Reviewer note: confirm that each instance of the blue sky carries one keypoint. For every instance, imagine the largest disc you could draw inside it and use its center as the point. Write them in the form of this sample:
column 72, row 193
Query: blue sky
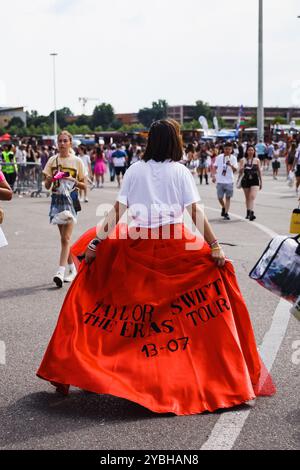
column 131, row 52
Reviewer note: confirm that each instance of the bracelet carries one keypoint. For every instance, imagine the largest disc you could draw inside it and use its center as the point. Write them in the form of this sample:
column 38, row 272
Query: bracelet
column 93, row 244
column 215, row 242
column 219, row 248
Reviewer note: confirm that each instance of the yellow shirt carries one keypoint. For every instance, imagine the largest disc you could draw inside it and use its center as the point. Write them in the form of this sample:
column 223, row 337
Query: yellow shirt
column 71, row 164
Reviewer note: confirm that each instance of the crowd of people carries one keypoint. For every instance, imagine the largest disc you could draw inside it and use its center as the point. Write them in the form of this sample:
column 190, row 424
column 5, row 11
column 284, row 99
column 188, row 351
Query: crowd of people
column 163, row 173
column 209, row 162
column 102, row 339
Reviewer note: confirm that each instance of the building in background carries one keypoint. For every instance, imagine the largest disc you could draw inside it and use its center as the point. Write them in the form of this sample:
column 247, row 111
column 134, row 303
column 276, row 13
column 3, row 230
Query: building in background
column 6, row 114
column 181, row 113
column 127, row 118
column 229, row 114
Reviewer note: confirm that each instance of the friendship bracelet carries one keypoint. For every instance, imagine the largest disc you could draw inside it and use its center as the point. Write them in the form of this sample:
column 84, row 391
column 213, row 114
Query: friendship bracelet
column 213, row 243
column 94, row 243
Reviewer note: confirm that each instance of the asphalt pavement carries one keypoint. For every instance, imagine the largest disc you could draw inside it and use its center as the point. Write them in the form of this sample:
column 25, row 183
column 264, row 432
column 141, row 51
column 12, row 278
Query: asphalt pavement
column 33, row 416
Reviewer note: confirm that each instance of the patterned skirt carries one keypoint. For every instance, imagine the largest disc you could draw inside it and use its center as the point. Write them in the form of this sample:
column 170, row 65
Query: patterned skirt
column 60, row 203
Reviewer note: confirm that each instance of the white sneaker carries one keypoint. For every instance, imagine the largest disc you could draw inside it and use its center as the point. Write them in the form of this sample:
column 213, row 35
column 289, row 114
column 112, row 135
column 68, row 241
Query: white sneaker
column 58, row 279
column 70, row 277
column 86, row 200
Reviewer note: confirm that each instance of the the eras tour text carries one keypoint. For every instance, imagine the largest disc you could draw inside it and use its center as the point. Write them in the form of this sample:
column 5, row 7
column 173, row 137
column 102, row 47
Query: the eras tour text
column 197, row 306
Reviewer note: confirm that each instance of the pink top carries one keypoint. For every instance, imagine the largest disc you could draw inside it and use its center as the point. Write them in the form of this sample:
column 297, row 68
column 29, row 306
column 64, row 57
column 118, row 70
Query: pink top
column 2, row 177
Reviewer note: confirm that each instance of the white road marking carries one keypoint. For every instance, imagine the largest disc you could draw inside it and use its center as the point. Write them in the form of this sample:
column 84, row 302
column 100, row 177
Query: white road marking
column 229, row 426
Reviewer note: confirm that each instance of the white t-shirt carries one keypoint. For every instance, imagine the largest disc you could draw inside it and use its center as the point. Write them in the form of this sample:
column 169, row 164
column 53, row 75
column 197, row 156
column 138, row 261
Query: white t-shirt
column 86, row 160
column 157, row 192
column 220, row 165
column 20, row 156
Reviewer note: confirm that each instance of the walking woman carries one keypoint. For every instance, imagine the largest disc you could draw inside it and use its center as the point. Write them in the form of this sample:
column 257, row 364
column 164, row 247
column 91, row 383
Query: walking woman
column 251, row 179
column 290, row 157
column 155, row 314
column 204, row 163
column 62, row 202
column 191, row 161
column 276, row 161
column 100, row 167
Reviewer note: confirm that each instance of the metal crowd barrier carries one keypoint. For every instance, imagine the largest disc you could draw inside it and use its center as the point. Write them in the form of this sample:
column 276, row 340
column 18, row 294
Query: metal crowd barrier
column 29, row 179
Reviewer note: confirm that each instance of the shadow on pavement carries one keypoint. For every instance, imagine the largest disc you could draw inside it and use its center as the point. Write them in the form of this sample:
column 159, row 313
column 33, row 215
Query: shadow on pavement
column 43, row 414
column 23, row 291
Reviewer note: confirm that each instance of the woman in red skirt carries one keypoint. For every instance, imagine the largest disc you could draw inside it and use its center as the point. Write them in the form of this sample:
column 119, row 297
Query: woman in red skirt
column 155, row 314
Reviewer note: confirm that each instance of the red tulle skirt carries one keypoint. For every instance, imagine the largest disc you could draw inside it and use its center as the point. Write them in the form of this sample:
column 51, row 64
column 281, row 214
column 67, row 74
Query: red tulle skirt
column 158, row 324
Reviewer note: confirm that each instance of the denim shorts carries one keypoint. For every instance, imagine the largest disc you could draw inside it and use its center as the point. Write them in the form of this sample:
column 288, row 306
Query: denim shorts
column 224, row 189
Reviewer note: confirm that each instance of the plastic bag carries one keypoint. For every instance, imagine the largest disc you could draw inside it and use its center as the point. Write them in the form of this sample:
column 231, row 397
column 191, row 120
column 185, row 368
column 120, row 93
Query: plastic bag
column 65, row 187
column 62, row 208
column 278, row 269
column 64, row 217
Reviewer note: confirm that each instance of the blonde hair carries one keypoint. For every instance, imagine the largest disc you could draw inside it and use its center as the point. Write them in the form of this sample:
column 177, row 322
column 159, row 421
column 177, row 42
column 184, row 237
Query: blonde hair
column 69, row 135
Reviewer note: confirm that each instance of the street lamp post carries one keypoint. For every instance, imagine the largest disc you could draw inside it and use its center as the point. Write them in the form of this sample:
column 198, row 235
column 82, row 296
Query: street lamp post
column 54, row 54
column 260, row 107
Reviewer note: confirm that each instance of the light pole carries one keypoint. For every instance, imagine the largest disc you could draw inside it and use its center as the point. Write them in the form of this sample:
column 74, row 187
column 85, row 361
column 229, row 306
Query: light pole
column 260, row 107
column 54, row 54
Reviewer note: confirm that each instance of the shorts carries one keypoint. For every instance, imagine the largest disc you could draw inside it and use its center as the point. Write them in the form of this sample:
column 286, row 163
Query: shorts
column 249, row 183
column 297, row 174
column 224, row 189
column 203, row 165
column 261, row 157
column 120, row 169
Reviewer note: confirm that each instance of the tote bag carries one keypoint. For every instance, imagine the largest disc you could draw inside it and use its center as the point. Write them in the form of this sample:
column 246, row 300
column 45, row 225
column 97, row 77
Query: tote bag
column 278, row 269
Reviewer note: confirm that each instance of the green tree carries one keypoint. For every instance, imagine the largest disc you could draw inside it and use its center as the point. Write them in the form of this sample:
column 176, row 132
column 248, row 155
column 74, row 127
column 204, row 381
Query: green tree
column 187, row 126
column 146, row 116
column 83, row 120
column 116, row 124
column 61, row 115
column 279, row 120
column 131, row 127
column 16, row 122
column 34, row 119
column 84, row 130
column 159, row 110
column 202, row 109
column 103, row 115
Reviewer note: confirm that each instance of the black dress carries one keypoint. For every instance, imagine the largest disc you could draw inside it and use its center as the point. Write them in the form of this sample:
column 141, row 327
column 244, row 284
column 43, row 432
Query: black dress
column 250, row 177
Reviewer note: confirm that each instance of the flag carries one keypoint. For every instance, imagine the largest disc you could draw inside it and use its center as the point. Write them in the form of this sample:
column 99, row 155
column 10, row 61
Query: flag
column 204, row 125
column 240, row 115
column 216, row 124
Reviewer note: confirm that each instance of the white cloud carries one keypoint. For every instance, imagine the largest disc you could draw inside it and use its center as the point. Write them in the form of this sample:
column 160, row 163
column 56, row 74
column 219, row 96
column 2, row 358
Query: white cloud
column 131, row 52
